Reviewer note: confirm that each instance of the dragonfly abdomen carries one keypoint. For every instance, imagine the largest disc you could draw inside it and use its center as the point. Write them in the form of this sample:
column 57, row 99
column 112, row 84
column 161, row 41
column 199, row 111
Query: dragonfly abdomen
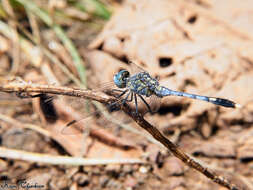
column 163, row 91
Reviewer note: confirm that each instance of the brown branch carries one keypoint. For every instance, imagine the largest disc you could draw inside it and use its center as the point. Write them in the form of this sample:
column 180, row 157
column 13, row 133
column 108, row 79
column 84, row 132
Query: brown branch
column 23, row 87
column 176, row 151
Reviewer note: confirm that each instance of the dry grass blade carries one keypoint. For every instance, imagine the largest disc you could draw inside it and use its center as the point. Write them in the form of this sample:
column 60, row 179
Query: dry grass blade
column 66, row 160
column 26, row 125
column 43, row 15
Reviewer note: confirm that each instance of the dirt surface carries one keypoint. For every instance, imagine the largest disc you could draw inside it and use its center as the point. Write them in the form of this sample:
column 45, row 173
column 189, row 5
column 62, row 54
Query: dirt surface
column 202, row 47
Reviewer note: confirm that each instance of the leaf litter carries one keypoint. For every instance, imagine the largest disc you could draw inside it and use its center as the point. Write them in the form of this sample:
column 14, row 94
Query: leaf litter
column 192, row 46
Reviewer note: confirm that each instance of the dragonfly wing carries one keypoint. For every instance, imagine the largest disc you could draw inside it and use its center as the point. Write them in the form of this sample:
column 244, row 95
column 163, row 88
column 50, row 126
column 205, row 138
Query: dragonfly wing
column 105, row 87
column 83, row 124
column 135, row 68
column 155, row 103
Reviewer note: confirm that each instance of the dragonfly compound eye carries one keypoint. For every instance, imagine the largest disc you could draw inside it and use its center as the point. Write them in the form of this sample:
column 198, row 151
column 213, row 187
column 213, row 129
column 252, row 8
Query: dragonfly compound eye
column 125, row 75
column 120, row 78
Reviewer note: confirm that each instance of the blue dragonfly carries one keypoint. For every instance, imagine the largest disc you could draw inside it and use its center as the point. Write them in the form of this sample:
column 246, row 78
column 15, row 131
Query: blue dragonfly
column 141, row 87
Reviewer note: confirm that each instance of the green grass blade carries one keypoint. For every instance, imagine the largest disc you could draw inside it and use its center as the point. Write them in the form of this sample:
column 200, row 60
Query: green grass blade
column 94, row 7
column 44, row 16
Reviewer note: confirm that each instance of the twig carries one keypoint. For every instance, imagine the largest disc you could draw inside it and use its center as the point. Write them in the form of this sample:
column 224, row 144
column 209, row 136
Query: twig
column 66, row 160
column 175, row 150
column 19, row 87
column 23, row 87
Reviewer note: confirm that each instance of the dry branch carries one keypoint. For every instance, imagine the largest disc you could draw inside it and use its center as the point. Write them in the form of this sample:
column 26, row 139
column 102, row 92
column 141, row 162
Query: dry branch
column 20, row 87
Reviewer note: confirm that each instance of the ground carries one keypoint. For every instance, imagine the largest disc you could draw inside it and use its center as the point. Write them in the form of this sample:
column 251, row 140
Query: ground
column 201, row 47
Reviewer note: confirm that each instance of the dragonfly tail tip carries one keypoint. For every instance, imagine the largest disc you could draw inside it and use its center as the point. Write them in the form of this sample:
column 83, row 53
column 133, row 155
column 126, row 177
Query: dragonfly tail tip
column 238, row 105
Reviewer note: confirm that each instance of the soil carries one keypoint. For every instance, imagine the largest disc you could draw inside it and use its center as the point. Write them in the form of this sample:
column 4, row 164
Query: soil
column 201, row 47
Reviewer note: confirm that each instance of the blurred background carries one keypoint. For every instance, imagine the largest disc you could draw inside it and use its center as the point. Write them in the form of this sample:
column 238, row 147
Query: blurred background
column 196, row 46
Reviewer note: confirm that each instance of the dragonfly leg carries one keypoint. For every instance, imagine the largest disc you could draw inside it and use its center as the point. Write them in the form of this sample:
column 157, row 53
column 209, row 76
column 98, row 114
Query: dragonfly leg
column 149, row 109
column 131, row 97
column 126, row 98
column 136, row 104
column 117, row 90
column 122, row 92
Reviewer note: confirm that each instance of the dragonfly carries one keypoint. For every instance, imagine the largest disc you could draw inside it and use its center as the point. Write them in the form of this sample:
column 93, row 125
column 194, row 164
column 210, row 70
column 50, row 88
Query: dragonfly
column 142, row 84
column 141, row 88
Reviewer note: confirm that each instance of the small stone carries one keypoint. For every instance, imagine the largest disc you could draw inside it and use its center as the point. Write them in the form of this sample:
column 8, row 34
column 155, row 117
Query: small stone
column 176, row 182
column 135, row 167
column 127, row 168
column 173, row 166
column 113, row 170
column 113, row 167
column 3, row 165
column 39, row 179
column 58, row 183
column 88, row 169
column 130, row 182
column 143, row 169
column 81, row 179
column 206, row 130
column 73, row 186
column 103, row 181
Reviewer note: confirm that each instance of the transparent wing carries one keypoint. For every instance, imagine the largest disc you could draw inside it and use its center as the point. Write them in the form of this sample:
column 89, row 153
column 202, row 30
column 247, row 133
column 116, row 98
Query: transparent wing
column 155, row 103
column 134, row 68
column 87, row 113
column 105, row 86
column 82, row 124
column 84, row 106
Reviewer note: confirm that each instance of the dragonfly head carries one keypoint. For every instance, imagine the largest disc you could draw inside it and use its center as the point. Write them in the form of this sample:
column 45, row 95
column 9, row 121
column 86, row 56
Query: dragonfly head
column 120, row 78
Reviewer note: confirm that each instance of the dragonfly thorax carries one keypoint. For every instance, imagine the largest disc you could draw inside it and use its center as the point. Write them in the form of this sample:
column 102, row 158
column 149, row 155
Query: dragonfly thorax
column 142, row 84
